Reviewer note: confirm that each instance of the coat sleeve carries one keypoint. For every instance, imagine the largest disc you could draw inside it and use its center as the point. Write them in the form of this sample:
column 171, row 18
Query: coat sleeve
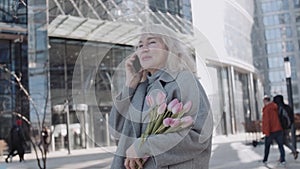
column 119, row 111
column 184, row 145
column 266, row 122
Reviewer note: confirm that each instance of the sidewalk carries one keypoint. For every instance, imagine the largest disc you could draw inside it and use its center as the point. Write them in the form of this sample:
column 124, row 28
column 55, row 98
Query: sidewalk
column 94, row 158
column 228, row 152
column 231, row 152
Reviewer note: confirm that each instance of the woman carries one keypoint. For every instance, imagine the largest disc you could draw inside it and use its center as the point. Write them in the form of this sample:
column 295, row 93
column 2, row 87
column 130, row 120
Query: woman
column 165, row 65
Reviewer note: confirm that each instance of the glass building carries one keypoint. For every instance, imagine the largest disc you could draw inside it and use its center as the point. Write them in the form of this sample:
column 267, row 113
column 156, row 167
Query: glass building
column 13, row 60
column 87, row 42
column 71, row 50
column 236, row 90
column 276, row 36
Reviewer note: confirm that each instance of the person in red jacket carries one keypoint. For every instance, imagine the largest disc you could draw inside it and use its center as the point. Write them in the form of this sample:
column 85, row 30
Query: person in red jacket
column 272, row 129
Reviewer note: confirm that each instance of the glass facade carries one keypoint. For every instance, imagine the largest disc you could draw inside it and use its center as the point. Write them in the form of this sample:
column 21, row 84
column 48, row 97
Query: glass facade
column 80, row 66
column 95, row 72
column 13, row 59
column 237, row 32
column 13, row 101
column 13, row 11
column 181, row 8
column 278, row 21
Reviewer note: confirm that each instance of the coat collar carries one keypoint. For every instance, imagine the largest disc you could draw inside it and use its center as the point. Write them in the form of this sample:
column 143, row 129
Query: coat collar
column 168, row 76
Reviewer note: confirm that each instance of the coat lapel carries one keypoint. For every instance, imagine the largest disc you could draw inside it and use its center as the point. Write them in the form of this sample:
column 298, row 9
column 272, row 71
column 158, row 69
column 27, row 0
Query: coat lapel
column 135, row 111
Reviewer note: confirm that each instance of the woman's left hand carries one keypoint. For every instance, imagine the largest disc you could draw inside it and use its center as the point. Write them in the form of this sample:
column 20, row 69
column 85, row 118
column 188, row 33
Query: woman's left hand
column 132, row 161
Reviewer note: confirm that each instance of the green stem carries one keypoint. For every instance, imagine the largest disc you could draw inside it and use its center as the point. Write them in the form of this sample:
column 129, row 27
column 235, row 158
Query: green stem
column 158, row 123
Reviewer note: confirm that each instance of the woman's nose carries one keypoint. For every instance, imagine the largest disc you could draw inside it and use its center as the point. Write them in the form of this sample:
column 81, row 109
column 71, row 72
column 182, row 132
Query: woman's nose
column 145, row 48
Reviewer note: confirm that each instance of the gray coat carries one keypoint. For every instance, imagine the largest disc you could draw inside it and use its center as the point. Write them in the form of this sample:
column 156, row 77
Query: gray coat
column 189, row 148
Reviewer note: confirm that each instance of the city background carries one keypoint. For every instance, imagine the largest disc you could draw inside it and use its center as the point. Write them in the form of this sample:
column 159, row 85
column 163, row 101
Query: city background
column 65, row 54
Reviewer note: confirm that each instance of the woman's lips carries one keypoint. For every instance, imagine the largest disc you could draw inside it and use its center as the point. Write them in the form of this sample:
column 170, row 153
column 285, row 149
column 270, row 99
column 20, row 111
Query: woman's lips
column 145, row 58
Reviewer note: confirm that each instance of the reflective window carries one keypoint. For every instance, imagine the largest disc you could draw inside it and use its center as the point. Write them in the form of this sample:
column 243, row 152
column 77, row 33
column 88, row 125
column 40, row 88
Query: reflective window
column 279, row 47
column 173, row 6
column 278, row 89
column 277, row 76
column 242, row 98
column 289, row 46
column 275, row 5
column 298, row 19
column 278, row 61
column 4, row 51
column 276, row 19
column 293, row 61
column 274, row 47
column 64, row 58
column 275, row 62
column 181, row 8
column 13, row 11
column 298, row 30
column 297, row 3
column 278, row 33
column 272, row 34
column 14, row 57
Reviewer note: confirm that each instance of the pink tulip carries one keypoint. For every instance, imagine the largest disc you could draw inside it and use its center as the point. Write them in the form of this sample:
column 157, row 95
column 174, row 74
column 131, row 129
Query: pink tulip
column 161, row 109
column 172, row 104
column 167, row 121
column 177, row 108
column 187, row 121
column 187, row 106
column 175, row 123
column 149, row 101
column 160, row 98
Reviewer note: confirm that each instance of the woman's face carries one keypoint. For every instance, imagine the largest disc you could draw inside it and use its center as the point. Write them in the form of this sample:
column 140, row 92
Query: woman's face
column 152, row 52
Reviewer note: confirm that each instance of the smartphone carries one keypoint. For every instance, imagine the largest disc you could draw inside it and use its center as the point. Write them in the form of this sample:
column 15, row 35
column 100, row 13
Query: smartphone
column 136, row 64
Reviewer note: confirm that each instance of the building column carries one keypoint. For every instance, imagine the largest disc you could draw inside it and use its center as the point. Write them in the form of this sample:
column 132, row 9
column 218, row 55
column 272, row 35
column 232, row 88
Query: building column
column 231, row 74
column 251, row 96
column 38, row 65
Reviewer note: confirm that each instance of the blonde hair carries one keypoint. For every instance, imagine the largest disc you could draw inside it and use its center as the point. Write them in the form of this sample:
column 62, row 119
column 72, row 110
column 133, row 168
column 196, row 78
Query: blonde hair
column 180, row 56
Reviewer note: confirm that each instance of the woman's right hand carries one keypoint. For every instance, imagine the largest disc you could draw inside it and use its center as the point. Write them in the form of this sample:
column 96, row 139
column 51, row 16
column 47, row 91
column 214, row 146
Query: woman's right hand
column 133, row 77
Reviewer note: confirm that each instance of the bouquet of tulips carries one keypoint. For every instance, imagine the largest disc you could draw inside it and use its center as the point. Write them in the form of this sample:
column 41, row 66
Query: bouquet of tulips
column 166, row 118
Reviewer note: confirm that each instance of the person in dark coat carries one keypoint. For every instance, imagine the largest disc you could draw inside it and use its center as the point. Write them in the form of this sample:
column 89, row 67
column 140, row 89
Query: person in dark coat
column 278, row 99
column 45, row 138
column 17, row 141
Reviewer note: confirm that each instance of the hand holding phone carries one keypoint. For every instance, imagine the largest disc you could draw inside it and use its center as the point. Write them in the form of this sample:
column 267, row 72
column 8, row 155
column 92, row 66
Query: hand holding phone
column 133, row 71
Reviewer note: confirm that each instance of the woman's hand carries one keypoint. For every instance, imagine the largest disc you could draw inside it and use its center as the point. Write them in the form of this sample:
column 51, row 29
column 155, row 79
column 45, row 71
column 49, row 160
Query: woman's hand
column 132, row 161
column 133, row 77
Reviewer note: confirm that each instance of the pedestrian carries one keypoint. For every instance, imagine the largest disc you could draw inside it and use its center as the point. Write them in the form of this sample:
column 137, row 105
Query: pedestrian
column 278, row 99
column 16, row 141
column 272, row 129
column 45, row 138
column 160, row 62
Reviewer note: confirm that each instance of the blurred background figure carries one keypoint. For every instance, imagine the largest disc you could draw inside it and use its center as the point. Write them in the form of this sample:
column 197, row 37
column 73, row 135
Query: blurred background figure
column 45, row 138
column 16, row 141
column 279, row 100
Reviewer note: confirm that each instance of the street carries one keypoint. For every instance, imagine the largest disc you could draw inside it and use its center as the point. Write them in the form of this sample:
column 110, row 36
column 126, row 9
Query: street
column 228, row 152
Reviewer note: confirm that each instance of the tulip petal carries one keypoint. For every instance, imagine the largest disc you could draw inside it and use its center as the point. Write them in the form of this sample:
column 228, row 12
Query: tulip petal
column 175, row 123
column 177, row 108
column 187, row 106
column 150, row 101
column 162, row 108
column 186, row 121
column 160, row 98
column 167, row 122
column 172, row 104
